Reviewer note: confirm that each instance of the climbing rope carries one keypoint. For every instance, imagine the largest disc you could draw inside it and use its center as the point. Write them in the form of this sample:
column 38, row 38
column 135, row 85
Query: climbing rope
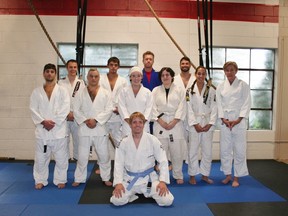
column 45, row 31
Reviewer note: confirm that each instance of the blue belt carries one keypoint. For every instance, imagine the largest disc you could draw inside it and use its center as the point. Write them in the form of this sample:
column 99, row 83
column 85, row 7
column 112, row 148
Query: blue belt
column 137, row 176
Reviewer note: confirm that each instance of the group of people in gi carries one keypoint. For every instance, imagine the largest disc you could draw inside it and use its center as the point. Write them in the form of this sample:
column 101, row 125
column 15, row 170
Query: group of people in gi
column 155, row 122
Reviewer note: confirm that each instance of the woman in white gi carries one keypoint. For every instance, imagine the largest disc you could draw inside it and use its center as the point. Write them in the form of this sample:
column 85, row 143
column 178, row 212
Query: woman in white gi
column 202, row 116
column 134, row 167
column 134, row 98
column 169, row 111
column 234, row 102
column 49, row 105
column 92, row 109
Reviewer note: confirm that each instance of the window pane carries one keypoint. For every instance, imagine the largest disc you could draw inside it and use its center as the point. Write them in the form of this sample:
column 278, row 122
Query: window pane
column 243, row 75
column 260, row 120
column 97, row 54
column 62, row 72
column 261, row 80
column 262, row 59
column 127, row 54
column 67, row 51
column 240, row 56
column 218, row 57
column 217, row 77
column 261, row 99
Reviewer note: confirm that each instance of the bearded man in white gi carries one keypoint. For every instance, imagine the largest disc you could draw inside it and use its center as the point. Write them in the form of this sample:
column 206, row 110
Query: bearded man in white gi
column 73, row 85
column 233, row 102
column 184, row 80
column 135, row 98
column 134, row 167
column 92, row 110
column 50, row 105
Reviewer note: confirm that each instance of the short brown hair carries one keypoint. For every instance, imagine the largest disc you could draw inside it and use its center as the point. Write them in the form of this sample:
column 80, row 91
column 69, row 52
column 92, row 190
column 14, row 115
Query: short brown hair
column 148, row 53
column 136, row 115
column 232, row 63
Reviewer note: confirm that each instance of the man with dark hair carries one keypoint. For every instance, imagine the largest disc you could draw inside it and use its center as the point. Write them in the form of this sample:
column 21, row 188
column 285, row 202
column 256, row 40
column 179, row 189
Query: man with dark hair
column 50, row 104
column 73, row 85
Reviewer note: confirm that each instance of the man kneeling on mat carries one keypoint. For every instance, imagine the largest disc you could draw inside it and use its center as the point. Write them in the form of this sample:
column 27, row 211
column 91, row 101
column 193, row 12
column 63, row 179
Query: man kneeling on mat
column 134, row 167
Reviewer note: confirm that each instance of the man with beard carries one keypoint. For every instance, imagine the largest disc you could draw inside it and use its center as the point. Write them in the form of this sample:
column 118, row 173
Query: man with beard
column 185, row 80
column 50, row 105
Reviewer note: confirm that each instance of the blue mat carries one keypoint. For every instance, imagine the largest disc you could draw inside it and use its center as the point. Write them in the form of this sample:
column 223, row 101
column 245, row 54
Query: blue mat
column 19, row 183
column 250, row 190
column 18, row 196
column 128, row 210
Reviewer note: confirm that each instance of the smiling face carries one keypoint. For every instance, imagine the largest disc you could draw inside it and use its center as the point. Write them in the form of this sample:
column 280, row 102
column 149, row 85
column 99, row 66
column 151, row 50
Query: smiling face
column 201, row 75
column 72, row 69
column 185, row 66
column 137, row 125
column 136, row 78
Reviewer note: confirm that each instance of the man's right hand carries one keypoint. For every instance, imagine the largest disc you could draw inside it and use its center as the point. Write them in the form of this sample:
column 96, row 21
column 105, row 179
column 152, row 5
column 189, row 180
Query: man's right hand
column 48, row 124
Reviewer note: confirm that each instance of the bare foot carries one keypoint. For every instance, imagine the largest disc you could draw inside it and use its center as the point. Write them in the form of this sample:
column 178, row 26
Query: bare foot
column 97, row 171
column 39, row 186
column 192, row 180
column 61, row 185
column 235, row 182
column 108, row 183
column 207, row 180
column 180, row 181
column 227, row 179
column 75, row 184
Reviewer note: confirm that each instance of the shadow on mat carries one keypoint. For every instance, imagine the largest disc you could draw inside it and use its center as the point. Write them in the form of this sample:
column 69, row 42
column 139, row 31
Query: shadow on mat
column 95, row 192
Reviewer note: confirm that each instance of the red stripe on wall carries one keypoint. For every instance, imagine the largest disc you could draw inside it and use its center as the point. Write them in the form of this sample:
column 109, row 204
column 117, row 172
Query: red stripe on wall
column 164, row 8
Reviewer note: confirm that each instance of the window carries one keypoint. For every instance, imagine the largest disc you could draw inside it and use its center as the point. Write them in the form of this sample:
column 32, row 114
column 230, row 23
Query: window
column 97, row 55
column 256, row 68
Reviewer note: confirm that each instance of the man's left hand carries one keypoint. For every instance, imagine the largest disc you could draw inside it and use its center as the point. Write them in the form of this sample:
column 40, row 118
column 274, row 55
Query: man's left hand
column 162, row 189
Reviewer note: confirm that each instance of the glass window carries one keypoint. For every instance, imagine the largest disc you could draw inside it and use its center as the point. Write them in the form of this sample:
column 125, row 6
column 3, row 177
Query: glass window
column 96, row 55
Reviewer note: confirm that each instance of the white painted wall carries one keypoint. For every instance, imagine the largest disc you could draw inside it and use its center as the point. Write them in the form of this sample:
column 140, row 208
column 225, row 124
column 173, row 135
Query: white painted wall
column 25, row 49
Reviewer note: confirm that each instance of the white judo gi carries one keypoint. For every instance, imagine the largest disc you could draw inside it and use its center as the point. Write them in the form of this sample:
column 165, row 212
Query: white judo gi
column 72, row 126
column 55, row 109
column 174, row 107
column 100, row 110
column 179, row 82
column 136, row 160
column 129, row 103
column 114, row 123
column 233, row 101
column 200, row 113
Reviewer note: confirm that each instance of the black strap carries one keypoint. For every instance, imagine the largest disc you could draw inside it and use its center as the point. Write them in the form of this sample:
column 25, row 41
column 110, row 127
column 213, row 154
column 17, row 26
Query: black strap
column 76, row 88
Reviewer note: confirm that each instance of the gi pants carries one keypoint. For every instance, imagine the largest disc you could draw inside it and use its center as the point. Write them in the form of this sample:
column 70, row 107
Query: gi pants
column 129, row 196
column 57, row 148
column 203, row 140
column 100, row 144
